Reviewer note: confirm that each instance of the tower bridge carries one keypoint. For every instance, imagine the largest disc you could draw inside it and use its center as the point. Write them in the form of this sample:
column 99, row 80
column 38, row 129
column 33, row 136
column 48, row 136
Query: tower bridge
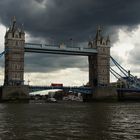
column 97, row 50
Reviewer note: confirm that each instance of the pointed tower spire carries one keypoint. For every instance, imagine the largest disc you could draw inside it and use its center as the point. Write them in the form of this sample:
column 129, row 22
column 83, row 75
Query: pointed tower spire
column 13, row 22
column 108, row 40
column 22, row 28
column 98, row 33
column 10, row 26
column 99, row 28
column 14, row 19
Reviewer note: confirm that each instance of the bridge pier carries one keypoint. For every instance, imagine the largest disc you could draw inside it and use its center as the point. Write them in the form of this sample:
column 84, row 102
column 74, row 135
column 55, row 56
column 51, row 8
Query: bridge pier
column 87, row 97
column 104, row 93
column 128, row 94
column 15, row 93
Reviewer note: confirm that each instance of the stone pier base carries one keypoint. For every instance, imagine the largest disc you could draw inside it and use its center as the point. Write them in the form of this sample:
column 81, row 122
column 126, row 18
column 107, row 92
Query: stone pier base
column 10, row 93
column 104, row 93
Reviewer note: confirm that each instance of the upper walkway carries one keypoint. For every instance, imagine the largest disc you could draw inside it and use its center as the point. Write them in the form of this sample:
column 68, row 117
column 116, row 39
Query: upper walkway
column 59, row 49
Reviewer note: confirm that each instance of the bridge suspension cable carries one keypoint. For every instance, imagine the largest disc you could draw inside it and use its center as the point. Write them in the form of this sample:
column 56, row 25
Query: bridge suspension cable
column 117, row 75
column 130, row 79
column 1, row 54
column 123, row 70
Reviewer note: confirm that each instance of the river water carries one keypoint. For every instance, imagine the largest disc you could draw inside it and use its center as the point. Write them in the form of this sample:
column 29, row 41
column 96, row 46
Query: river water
column 70, row 121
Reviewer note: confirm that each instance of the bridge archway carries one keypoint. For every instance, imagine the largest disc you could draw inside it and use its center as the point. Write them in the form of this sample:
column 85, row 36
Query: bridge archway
column 61, row 71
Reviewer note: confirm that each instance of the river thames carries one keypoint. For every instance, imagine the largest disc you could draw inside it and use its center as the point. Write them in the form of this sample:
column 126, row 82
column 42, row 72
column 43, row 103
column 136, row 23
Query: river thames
column 70, row 121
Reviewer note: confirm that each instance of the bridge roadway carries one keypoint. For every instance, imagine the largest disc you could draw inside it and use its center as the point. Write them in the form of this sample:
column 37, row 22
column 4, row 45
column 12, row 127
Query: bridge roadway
column 84, row 90
column 135, row 90
column 58, row 49
column 81, row 89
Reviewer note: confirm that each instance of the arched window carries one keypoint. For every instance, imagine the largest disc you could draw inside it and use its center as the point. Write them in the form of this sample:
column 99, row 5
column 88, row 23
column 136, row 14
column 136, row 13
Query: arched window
column 16, row 36
column 16, row 43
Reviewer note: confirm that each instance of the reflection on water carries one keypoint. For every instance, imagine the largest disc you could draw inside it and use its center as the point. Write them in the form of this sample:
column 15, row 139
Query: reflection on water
column 70, row 121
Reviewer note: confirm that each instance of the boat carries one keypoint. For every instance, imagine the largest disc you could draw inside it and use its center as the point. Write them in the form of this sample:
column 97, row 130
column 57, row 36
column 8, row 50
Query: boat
column 51, row 100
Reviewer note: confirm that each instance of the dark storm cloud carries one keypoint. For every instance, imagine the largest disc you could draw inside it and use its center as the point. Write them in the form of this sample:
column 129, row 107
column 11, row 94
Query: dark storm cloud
column 134, row 55
column 65, row 19
column 49, row 63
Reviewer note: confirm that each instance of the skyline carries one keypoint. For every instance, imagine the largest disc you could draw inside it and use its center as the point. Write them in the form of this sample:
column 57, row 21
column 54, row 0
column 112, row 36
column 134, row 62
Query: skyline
column 80, row 25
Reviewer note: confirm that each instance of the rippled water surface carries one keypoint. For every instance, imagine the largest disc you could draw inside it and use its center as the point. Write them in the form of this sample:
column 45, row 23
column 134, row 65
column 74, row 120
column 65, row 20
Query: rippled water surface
column 70, row 121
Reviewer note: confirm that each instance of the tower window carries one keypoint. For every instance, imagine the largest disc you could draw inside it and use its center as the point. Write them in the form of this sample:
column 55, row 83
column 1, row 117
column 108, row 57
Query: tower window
column 16, row 36
column 16, row 42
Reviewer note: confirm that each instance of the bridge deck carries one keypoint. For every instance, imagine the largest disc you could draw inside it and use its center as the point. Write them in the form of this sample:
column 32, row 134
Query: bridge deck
column 56, row 49
column 85, row 90
column 130, row 90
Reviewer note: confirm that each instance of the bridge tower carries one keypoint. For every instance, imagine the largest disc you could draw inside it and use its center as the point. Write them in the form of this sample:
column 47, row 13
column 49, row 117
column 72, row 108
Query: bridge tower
column 14, row 63
column 14, row 56
column 99, row 64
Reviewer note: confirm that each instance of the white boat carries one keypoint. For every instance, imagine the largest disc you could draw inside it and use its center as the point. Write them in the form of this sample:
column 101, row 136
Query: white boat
column 51, row 100
column 73, row 98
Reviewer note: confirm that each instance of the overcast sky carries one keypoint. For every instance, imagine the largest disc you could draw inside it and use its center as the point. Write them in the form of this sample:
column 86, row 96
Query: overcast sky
column 56, row 21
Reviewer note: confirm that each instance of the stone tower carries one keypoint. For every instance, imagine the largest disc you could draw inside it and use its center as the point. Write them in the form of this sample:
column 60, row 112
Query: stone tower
column 99, row 64
column 14, row 88
column 14, row 55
